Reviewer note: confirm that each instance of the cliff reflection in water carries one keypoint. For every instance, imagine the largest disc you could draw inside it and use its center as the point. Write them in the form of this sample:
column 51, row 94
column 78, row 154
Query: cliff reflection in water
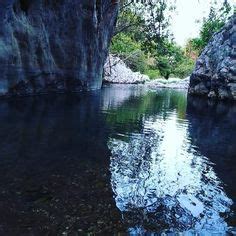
column 167, row 169
column 161, row 180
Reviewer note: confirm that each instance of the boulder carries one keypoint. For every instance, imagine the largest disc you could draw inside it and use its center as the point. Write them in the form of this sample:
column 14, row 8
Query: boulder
column 214, row 75
column 116, row 71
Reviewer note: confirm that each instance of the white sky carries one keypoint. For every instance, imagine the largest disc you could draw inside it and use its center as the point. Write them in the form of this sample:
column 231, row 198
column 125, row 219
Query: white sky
column 184, row 24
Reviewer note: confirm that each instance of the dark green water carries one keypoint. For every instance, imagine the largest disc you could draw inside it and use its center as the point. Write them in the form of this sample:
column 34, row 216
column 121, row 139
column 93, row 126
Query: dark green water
column 124, row 160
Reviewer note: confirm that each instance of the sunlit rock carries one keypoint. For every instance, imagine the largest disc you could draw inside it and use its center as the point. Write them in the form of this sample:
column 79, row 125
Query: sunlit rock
column 172, row 83
column 116, row 71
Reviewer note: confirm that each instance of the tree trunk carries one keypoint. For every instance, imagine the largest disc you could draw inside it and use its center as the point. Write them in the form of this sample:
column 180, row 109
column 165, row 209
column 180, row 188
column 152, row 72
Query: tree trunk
column 167, row 76
column 54, row 46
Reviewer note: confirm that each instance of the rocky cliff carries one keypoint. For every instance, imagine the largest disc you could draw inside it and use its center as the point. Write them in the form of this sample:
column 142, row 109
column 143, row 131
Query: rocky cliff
column 215, row 72
column 54, row 45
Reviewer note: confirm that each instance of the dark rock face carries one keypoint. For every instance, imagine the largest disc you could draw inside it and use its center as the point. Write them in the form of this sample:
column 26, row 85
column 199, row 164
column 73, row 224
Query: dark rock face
column 215, row 72
column 54, row 46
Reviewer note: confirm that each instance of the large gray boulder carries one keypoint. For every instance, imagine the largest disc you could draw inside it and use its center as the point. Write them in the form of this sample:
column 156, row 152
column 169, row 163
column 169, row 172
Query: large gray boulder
column 116, row 71
column 215, row 73
column 54, row 46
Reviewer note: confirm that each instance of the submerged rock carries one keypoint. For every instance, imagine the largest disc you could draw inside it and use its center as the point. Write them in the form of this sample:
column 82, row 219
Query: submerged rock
column 116, row 71
column 215, row 72
column 54, row 46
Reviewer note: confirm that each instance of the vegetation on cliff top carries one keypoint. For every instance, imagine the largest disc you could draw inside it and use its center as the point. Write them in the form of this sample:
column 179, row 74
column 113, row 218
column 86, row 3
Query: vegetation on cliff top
column 144, row 40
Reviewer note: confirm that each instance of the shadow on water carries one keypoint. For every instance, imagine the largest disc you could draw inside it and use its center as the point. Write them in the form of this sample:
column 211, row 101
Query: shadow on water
column 125, row 159
column 54, row 167
column 212, row 128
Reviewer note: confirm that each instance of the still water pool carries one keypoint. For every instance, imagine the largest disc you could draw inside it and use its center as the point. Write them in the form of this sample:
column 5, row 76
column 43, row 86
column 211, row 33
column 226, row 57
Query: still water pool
column 121, row 161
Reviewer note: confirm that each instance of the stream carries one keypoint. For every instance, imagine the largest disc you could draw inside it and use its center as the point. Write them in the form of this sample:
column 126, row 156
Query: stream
column 125, row 159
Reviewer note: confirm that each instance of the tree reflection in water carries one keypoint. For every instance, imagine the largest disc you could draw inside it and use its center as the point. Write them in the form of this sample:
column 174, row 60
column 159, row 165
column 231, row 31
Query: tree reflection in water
column 54, row 164
column 161, row 181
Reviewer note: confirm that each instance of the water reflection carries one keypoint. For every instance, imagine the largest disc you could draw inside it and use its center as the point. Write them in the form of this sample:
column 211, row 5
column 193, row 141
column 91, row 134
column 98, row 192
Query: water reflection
column 212, row 128
column 54, row 167
column 171, row 165
column 162, row 181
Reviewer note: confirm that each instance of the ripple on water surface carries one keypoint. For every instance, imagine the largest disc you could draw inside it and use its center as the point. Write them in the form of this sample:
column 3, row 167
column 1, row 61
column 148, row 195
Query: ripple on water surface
column 162, row 181
column 124, row 159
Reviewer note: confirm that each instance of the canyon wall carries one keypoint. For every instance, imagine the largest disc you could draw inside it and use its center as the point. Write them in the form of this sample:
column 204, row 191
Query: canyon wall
column 54, row 45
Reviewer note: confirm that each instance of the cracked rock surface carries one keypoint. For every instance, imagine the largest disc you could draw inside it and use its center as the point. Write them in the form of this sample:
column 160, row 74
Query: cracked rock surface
column 54, row 46
column 214, row 75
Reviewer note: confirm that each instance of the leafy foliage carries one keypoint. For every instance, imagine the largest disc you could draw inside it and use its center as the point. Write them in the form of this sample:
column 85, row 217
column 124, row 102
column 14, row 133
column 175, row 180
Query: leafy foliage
column 184, row 68
column 143, row 33
column 216, row 19
column 123, row 44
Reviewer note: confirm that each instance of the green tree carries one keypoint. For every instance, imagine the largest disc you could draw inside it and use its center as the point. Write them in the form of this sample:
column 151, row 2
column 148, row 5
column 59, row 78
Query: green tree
column 211, row 24
column 173, row 61
column 143, row 39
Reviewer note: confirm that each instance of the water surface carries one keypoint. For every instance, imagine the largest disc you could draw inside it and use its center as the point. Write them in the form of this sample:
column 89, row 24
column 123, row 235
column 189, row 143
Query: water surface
column 121, row 160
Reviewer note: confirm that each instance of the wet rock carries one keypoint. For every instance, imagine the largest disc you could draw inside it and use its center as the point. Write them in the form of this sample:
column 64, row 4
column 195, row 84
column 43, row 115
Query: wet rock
column 214, row 73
